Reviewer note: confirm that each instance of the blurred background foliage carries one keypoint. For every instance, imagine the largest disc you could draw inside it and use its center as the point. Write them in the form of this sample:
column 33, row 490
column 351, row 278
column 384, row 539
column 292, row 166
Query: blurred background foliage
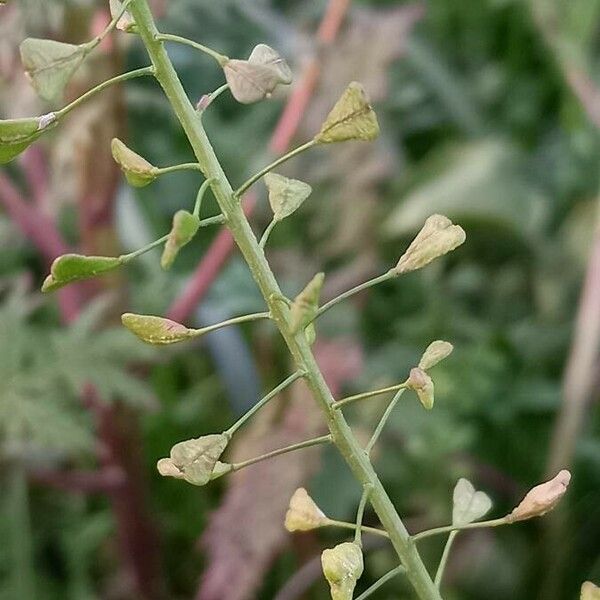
column 489, row 114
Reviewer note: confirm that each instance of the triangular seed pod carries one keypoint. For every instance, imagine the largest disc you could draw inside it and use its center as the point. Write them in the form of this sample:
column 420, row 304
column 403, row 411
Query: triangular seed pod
column 303, row 514
column 75, row 267
column 138, row 171
column 254, row 79
column 50, row 65
column 542, row 498
column 589, row 591
column 156, row 330
column 352, row 118
column 265, row 55
column 469, row 504
column 437, row 237
column 422, row 384
column 434, row 353
column 342, row 567
column 185, row 226
column 194, row 460
column 16, row 135
column 285, row 195
column 306, row 304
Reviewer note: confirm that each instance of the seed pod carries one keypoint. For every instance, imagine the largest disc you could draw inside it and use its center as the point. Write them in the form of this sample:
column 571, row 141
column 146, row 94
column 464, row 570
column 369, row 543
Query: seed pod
column 303, row 514
column 220, row 470
column 352, row 118
column 469, row 505
column 156, row 330
column 542, row 498
column 589, row 591
column 50, row 65
column 126, row 23
column 138, row 171
column 437, row 237
column 194, row 460
column 342, row 567
column 75, row 267
column 422, row 384
column 254, row 79
column 285, row 195
column 185, row 226
column 434, row 353
column 306, row 304
column 16, row 135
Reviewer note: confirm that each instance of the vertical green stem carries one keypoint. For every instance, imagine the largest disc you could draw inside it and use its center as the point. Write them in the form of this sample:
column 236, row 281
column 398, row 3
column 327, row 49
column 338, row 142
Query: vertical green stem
column 22, row 572
column 300, row 350
column 444, row 559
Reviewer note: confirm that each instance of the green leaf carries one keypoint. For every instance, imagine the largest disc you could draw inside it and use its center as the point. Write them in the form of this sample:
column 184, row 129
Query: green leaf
column 437, row 237
column 138, row 171
column 194, row 460
column 16, row 135
column 50, row 65
column 306, row 304
column 352, row 118
column 469, row 504
column 285, row 195
column 254, row 79
column 156, row 330
column 74, row 267
column 185, row 226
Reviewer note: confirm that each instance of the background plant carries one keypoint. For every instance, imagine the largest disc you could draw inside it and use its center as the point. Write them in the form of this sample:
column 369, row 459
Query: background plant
column 416, row 341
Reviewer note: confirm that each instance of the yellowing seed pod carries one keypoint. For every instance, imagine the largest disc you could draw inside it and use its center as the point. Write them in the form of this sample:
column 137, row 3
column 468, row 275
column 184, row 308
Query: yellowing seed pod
column 285, row 195
column 342, row 567
column 194, row 460
column 303, row 514
column 138, row 171
column 156, row 330
column 422, row 384
column 434, row 353
column 589, row 591
column 542, row 498
column 437, row 237
column 352, row 118
column 306, row 304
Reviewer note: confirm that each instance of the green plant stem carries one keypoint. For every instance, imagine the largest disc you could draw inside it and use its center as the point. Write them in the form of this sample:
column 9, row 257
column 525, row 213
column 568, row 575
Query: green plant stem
column 381, row 581
column 176, row 168
column 448, row 528
column 216, row 220
column 352, row 526
column 100, row 37
column 444, row 560
column 234, row 321
column 383, row 420
column 125, row 258
column 200, row 196
column 360, row 514
column 364, row 395
column 298, row 345
column 102, row 86
column 272, row 166
column 21, row 570
column 168, row 37
column 355, row 290
column 213, row 96
column 284, row 384
column 324, row 439
column 266, row 234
